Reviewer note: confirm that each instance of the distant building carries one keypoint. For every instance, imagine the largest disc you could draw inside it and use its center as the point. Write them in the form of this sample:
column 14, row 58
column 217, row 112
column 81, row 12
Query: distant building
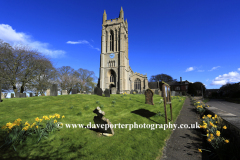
column 178, row 87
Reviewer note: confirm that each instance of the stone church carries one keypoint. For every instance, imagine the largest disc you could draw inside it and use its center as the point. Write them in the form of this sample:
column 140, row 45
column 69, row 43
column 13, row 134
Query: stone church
column 115, row 73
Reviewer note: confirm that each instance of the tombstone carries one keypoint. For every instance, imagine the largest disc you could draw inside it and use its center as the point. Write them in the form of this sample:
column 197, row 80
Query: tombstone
column 48, row 92
column 113, row 90
column 2, row 96
column 22, row 95
column 89, row 93
column 79, row 93
column 173, row 93
column 98, row 91
column 149, row 97
column 74, row 91
column 156, row 92
column 53, row 90
column 42, row 94
column 17, row 95
column 131, row 92
column 107, row 93
column 136, row 91
column 30, row 94
column 64, row 92
column 84, row 92
column 99, row 120
column 12, row 95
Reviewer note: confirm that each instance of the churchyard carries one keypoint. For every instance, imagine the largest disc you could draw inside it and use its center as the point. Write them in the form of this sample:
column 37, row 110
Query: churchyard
column 83, row 143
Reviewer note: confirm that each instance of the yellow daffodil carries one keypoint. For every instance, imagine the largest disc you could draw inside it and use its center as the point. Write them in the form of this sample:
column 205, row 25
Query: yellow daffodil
column 37, row 119
column 224, row 127
column 19, row 120
column 55, row 121
column 209, row 140
column 227, row 141
column 218, row 133
column 209, row 115
column 199, row 150
column 215, row 116
column 63, row 116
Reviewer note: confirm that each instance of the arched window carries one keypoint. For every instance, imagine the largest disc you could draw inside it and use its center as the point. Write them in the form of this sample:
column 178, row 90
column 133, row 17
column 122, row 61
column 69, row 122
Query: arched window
column 106, row 40
column 111, row 40
column 137, row 84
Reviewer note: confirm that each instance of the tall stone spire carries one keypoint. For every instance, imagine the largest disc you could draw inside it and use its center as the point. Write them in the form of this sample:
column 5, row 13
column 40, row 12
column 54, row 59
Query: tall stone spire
column 121, row 13
column 104, row 17
column 126, row 23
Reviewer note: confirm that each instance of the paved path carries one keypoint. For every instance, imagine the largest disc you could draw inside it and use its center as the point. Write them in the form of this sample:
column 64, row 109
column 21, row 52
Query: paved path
column 183, row 143
column 229, row 107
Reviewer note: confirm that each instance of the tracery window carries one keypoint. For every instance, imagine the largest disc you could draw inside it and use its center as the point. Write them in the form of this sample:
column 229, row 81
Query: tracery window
column 137, row 84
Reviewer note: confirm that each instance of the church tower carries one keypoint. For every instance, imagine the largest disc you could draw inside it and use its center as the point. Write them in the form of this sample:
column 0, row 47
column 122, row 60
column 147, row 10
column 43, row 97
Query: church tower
column 115, row 73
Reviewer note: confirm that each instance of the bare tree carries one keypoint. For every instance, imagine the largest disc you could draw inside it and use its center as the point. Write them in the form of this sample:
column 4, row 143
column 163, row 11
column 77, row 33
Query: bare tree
column 67, row 78
column 20, row 65
column 86, row 78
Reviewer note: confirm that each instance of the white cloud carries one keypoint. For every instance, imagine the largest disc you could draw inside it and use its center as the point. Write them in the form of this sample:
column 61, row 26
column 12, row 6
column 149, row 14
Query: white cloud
column 11, row 36
column 82, row 42
column 214, row 68
column 189, row 69
column 200, row 70
column 238, row 69
column 231, row 77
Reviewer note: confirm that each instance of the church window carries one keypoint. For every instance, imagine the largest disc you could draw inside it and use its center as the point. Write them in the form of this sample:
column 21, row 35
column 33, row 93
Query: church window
column 111, row 41
column 137, row 84
column 186, row 87
column 106, row 40
column 177, row 88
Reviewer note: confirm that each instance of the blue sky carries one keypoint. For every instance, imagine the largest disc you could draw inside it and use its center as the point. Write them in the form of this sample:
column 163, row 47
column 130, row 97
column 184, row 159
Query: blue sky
column 197, row 40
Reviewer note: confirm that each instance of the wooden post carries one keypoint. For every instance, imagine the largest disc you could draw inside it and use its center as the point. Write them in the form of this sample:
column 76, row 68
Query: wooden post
column 170, row 104
column 164, row 99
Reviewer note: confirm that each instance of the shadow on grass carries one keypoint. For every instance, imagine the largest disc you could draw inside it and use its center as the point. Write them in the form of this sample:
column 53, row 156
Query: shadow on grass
column 147, row 114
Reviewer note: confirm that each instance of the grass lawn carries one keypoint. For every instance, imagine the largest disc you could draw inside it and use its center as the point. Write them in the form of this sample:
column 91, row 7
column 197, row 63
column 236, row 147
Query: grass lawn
column 83, row 143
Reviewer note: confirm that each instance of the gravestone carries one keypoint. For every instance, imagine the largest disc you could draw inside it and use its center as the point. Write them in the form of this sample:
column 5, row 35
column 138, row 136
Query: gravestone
column 2, row 96
column 12, row 95
column 156, row 92
column 89, row 93
column 131, row 92
column 113, row 90
column 74, row 91
column 22, row 95
column 84, row 92
column 149, row 97
column 30, row 94
column 17, row 95
column 64, row 92
column 173, row 93
column 53, row 90
column 48, row 92
column 100, row 120
column 107, row 93
column 42, row 94
column 98, row 91
column 136, row 91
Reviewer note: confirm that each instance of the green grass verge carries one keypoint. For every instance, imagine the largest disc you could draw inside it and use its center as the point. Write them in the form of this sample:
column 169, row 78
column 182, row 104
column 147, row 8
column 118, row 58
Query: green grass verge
column 76, row 143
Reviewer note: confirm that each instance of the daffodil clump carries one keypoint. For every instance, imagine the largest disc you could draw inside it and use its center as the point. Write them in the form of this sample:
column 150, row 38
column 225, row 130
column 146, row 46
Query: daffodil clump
column 213, row 134
column 18, row 131
column 134, row 92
